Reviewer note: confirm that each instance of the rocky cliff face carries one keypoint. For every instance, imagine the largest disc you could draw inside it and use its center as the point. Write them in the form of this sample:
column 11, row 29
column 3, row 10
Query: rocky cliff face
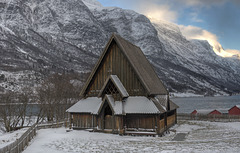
column 38, row 37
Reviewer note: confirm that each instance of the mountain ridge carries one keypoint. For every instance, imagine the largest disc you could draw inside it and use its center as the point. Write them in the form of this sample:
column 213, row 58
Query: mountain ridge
column 42, row 37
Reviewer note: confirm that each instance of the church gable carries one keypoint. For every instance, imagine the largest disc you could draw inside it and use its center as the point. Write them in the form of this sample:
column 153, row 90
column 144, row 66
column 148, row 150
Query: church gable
column 114, row 87
column 114, row 62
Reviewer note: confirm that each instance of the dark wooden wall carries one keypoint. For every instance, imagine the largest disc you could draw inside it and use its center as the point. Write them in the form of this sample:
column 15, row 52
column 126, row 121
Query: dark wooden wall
column 141, row 121
column 116, row 63
column 82, row 121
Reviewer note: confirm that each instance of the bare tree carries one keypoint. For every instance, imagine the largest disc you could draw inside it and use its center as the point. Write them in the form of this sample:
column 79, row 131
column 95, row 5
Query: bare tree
column 14, row 109
column 55, row 95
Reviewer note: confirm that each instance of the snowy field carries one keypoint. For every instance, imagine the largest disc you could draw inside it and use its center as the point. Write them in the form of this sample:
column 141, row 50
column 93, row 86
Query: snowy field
column 187, row 136
column 7, row 138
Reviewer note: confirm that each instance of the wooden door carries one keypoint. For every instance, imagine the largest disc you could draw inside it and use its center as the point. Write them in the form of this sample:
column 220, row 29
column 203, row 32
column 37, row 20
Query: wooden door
column 108, row 122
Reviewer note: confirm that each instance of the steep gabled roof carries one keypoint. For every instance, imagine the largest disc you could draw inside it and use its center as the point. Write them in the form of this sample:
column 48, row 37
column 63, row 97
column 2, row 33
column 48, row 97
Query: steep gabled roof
column 138, row 62
column 142, row 67
column 118, row 84
column 109, row 99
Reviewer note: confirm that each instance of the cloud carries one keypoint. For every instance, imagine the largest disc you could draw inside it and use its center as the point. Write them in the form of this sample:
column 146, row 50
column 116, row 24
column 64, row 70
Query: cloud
column 195, row 18
column 192, row 32
column 153, row 9
column 233, row 53
column 207, row 3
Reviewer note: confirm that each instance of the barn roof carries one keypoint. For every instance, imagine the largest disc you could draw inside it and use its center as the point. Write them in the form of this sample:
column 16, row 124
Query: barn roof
column 238, row 106
column 139, row 63
column 205, row 111
column 223, row 111
column 118, row 84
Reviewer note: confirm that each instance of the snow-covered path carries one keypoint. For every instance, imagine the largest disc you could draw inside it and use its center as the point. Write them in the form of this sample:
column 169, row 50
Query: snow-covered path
column 200, row 137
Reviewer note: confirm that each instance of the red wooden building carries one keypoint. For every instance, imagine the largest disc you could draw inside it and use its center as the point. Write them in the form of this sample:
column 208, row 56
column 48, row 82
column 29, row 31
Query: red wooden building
column 206, row 112
column 123, row 94
column 235, row 110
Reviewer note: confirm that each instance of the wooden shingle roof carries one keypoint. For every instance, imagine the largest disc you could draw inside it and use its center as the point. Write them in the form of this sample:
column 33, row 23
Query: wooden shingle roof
column 139, row 63
column 142, row 67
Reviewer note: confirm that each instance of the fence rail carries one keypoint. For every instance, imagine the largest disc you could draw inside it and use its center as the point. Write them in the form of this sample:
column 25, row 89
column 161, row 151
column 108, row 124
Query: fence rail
column 216, row 118
column 18, row 145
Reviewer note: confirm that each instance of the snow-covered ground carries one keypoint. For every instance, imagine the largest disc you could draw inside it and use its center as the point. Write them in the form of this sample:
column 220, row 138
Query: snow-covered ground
column 7, row 138
column 196, row 136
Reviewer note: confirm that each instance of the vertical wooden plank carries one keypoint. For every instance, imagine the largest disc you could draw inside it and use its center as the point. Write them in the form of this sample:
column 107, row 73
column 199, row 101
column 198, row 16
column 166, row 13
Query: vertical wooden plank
column 104, row 69
column 111, row 53
column 128, row 77
column 124, row 72
column 99, row 81
column 122, row 68
column 113, row 58
column 117, row 60
column 119, row 64
column 131, row 80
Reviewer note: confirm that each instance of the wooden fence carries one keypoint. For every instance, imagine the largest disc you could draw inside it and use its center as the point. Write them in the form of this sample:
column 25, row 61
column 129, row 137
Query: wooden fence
column 19, row 145
column 212, row 117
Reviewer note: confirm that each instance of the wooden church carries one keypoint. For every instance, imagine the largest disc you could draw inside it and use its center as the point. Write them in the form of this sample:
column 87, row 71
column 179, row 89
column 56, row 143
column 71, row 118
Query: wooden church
column 123, row 94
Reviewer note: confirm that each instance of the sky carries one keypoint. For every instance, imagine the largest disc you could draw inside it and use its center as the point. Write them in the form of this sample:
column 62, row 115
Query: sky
column 217, row 21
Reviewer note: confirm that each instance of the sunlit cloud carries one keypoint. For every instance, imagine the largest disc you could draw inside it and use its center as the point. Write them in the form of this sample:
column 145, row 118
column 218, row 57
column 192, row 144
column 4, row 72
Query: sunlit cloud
column 192, row 32
column 159, row 12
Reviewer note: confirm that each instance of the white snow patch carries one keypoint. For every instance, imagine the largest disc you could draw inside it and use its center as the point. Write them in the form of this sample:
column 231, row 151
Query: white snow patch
column 185, row 128
column 187, row 94
column 6, row 29
column 201, row 136
column 92, row 4
column 22, row 51
column 7, row 138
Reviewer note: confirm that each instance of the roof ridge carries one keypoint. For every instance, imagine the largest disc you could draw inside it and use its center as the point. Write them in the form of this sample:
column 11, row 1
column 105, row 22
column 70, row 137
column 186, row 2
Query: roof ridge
column 118, row 36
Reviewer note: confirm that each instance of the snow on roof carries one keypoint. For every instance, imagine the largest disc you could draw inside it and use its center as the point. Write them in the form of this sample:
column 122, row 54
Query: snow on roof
column 139, row 105
column 205, row 111
column 116, row 105
column 160, row 102
column 223, row 111
column 88, row 105
column 118, row 108
column 238, row 106
column 119, row 85
column 131, row 105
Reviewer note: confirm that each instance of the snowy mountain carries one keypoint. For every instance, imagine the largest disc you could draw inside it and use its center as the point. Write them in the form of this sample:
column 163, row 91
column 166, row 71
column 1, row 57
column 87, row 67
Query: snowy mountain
column 41, row 37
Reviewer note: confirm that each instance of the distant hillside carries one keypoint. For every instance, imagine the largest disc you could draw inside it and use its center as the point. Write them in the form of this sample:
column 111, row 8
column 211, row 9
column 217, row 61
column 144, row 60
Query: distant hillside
column 41, row 37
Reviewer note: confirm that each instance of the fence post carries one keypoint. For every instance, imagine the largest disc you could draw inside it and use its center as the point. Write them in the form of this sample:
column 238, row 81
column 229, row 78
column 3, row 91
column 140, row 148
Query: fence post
column 17, row 145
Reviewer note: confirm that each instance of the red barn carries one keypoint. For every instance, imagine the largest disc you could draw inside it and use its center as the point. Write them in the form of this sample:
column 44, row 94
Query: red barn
column 235, row 110
column 206, row 112
column 215, row 112
column 194, row 112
